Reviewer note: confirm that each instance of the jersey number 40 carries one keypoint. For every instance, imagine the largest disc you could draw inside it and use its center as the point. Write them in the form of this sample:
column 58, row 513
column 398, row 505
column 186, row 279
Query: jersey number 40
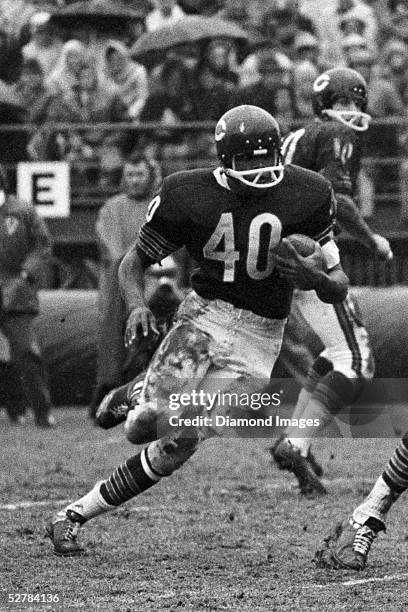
column 224, row 233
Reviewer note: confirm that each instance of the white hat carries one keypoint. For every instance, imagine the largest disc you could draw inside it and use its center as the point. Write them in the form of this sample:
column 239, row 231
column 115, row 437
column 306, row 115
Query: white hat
column 40, row 19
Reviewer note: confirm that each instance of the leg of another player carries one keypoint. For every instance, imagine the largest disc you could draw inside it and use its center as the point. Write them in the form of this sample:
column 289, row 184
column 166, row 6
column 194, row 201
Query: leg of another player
column 292, row 452
column 334, row 381
column 350, row 543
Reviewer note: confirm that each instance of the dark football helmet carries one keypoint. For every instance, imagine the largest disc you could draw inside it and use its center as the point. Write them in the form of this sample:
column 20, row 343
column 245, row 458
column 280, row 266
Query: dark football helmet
column 248, row 145
column 342, row 83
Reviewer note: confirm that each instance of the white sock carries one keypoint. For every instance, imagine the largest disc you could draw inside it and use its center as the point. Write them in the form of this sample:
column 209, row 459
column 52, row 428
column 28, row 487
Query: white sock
column 300, row 444
column 301, row 404
column 90, row 505
column 376, row 504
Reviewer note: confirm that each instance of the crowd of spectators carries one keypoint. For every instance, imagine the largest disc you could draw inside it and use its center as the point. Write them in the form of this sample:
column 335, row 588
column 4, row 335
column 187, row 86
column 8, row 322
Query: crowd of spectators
column 84, row 76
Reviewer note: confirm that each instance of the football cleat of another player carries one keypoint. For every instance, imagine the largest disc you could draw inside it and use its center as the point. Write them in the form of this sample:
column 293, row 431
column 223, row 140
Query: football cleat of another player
column 289, row 458
column 348, row 545
column 115, row 406
column 63, row 530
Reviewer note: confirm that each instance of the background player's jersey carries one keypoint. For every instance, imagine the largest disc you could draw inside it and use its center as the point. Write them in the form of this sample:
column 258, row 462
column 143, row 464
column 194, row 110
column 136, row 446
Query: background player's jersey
column 233, row 238
column 328, row 147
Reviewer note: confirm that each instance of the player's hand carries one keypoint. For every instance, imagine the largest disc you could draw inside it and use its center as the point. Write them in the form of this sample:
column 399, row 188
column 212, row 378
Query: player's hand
column 303, row 272
column 382, row 247
column 141, row 321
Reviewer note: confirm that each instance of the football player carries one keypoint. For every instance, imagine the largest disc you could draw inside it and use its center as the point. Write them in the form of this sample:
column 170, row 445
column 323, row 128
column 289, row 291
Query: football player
column 329, row 145
column 348, row 545
column 229, row 328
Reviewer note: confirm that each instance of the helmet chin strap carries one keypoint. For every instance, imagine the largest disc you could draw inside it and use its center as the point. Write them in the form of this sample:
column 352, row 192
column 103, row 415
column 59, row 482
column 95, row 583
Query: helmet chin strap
column 350, row 118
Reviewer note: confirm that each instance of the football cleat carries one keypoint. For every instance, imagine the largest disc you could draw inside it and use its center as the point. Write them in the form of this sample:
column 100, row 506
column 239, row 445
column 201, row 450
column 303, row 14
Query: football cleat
column 46, row 421
column 289, row 458
column 115, row 406
column 348, row 545
column 63, row 530
column 17, row 419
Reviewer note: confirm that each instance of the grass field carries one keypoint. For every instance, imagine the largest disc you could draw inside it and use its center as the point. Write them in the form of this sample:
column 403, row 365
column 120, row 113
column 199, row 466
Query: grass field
column 227, row 532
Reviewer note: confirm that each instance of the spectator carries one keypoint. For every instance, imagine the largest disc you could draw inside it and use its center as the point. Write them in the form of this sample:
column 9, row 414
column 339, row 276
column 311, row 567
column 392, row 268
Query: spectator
column 171, row 101
column 73, row 58
column 189, row 54
column 273, row 76
column 383, row 141
column 135, row 28
column 165, row 13
column 13, row 144
column 129, row 77
column 209, row 8
column 285, row 13
column 281, row 23
column 304, row 75
column 236, row 11
column 269, row 39
column 384, row 99
column 357, row 17
column 325, row 18
column 110, row 158
column 25, row 248
column 353, row 43
column 89, row 99
column 31, row 92
column 395, row 59
column 352, row 23
column 392, row 19
column 117, row 227
column 215, row 87
column 10, row 58
column 284, row 108
column 218, row 60
column 44, row 46
column 307, row 49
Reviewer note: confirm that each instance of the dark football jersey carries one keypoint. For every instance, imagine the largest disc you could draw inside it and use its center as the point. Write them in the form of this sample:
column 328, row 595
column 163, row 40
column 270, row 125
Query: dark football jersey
column 233, row 238
column 328, row 147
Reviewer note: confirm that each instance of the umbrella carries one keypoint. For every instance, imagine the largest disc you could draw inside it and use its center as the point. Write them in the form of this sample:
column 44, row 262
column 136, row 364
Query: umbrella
column 150, row 48
column 96, row 13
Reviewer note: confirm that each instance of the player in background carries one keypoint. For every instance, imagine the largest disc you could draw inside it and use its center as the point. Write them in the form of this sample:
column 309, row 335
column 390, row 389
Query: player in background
column 229, row 328
column 348, row 545
column 329, row 145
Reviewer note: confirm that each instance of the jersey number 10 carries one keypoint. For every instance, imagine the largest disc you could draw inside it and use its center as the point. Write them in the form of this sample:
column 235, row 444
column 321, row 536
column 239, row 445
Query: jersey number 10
column 229, row 256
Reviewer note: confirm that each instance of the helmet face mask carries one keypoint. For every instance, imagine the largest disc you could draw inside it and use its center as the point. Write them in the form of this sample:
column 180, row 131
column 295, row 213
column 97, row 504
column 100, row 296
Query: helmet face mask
column 343, row 85
column 248, row 146
column 357, row 120
column 258, row 171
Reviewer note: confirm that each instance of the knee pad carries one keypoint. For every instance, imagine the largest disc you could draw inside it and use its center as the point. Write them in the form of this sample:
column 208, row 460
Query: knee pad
column 320, row 368
column 169, row 453
column 335, row 391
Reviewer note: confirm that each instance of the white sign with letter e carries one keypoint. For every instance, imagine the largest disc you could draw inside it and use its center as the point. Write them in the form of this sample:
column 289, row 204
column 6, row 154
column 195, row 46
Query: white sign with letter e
column 46, row 185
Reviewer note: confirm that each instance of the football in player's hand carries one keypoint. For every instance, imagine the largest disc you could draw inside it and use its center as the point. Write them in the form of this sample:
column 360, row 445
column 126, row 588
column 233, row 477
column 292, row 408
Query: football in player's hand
column 304, row 245
column 295, row 263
